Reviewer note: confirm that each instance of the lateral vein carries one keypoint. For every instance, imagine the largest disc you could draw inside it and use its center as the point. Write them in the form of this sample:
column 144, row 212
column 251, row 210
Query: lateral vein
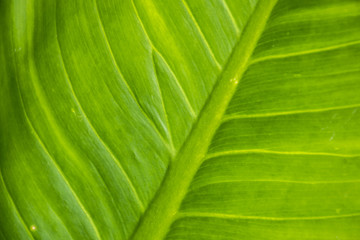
column 163, row 58
column 273, row 114
column 58, row 167
column 170, row 136
column 306, row 52
column 201, row 34
column 117, row 162
column 236, row 216
column 280, row 181
column 136, row 100
column 15, row 207
column 265, row 151
column 186, row 99
column 231, row 17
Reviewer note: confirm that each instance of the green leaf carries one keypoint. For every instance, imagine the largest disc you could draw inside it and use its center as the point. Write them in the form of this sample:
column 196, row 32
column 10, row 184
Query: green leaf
column 183, row 119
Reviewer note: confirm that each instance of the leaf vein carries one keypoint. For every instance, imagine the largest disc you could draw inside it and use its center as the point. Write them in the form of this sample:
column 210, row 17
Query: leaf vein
column 306, row 52
column 240, row 217
column 115, row 159
column 57, row 166
column 156, row 221
column 201, row 34
column 272, row 181
column 265, row 151
column 192, row 112
column 231, row 17
column 274, row 114
column 136, row 100
column 163, row 104
column 186, row 99
column 15, row 207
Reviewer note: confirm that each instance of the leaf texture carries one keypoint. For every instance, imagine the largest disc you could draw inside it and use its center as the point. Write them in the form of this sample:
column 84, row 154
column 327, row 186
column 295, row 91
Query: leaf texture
column 186, row 119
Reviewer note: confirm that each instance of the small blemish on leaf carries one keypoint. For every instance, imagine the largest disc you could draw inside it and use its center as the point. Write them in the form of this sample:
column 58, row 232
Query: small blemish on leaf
column 234, row 80
column 33, row 228
column 332, row 137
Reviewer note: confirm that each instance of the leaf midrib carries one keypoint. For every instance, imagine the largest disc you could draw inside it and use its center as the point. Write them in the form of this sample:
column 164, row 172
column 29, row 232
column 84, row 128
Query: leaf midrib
column 164, row 207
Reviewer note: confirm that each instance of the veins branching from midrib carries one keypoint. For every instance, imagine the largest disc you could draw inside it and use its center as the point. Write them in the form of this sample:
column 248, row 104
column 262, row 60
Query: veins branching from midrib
column 161, row 211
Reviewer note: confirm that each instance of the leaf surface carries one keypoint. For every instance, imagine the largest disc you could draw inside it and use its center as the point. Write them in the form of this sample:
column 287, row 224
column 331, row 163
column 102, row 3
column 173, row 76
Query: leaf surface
column 185, row 119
